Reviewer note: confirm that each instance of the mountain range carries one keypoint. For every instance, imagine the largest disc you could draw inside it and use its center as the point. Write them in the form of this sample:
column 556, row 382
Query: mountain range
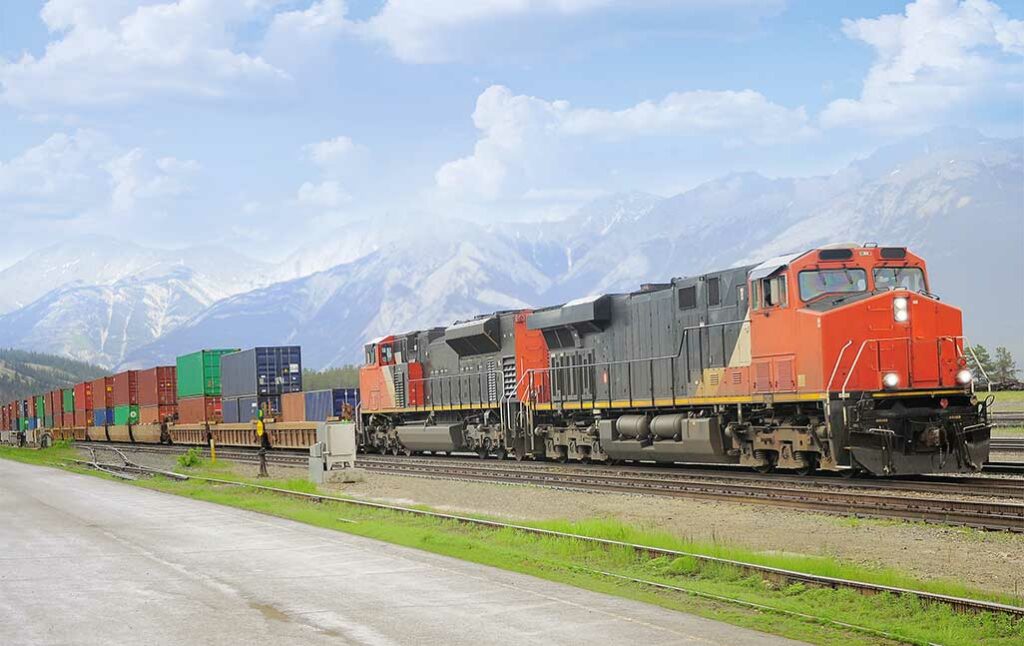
column 954, row 196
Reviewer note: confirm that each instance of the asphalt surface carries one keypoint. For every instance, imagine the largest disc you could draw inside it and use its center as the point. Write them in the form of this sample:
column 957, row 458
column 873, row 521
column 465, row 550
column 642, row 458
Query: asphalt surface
column 88, row 561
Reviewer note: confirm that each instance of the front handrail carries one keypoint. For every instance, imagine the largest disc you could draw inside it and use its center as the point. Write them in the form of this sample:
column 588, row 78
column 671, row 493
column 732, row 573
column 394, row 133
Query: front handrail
column 835, row 368
column 856, row 359
column 960, row 352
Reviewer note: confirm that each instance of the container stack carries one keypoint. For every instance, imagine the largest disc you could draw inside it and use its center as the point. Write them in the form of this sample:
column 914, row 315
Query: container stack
column 255, row 379
column 67, row 407
column 126, row 397
column 158, row 394
column 83, row 405
column 103, row 401
column 199, row 386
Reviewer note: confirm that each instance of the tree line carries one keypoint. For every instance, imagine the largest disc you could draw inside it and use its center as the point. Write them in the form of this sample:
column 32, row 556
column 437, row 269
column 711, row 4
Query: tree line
column 1001, row 368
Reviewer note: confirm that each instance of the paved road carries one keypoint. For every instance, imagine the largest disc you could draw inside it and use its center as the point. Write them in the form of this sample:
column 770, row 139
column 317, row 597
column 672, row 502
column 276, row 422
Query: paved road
column 88, row 561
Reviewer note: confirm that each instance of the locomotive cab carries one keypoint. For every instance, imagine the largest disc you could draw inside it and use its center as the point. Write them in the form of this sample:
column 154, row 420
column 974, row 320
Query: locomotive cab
column 861, row 326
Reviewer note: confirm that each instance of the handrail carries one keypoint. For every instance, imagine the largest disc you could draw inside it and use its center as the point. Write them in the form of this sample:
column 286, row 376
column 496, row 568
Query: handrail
column 967, row 345
column 835, row 368
column 856, row 359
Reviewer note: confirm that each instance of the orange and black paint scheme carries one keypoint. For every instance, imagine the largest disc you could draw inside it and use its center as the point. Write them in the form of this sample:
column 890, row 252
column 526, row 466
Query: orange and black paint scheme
column 839, row 359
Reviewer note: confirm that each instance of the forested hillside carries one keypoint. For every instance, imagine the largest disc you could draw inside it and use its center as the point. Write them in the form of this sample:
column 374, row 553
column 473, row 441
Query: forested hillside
column 34, row 373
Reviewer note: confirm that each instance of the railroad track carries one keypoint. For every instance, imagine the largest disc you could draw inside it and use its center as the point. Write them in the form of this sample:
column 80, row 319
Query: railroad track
column 917, row 499
column 1007, row 444
column 1007, row 418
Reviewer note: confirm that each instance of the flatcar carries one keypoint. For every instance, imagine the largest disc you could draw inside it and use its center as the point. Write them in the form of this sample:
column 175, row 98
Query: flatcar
column 834, row 359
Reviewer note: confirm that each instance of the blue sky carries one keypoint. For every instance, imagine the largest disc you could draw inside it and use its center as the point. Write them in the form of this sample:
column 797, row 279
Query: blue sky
column 261, row 123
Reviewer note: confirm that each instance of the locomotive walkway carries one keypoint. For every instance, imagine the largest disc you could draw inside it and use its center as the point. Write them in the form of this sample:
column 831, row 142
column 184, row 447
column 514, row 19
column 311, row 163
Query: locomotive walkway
column 90, row 561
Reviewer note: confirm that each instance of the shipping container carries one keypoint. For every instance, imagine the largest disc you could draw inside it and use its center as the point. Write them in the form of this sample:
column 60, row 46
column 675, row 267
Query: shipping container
column 293, row 407
column 198, row 374
column 48, row 422
column 81, row 419
column 197, row 410
column 323, row 404
column 40, row 406
column 263, row 371
column 54, row 406
column 102, row 416
column 156, row 414
column 103, row 392
column 68, row 400
column 158, row 386
column 83, row 396
column 247, row 408
column 125, row 414
column 126, row 388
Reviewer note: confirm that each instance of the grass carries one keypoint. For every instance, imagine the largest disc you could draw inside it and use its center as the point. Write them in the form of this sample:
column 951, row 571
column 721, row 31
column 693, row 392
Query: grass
column 575, row 562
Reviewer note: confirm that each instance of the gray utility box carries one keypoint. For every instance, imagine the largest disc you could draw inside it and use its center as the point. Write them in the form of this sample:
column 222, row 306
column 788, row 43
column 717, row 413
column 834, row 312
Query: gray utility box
column 332, row 458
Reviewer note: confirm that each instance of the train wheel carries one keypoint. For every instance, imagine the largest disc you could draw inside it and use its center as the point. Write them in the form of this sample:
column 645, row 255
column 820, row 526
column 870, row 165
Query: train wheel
column 502, row 453
column 395, row 450
column 518, row 455
column 810, row 461
column 767, row 461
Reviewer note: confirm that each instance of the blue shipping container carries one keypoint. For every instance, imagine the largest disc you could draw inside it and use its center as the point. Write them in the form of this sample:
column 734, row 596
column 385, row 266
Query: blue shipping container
column 103, row 417
column 322, row 404
column 31, row 423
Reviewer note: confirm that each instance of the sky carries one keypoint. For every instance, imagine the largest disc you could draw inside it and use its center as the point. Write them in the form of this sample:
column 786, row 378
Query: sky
column 262, row 124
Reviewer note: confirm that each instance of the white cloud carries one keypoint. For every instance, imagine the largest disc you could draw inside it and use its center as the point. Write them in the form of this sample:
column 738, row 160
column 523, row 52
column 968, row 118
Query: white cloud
column 109, row 52
column 416, row 30
column 326, row 194
column 522, row 137
column 937, row 56
column 331, row 152
column 84, row 174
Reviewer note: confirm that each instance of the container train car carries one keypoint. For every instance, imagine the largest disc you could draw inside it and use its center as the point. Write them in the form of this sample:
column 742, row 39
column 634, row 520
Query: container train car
column 836, row 359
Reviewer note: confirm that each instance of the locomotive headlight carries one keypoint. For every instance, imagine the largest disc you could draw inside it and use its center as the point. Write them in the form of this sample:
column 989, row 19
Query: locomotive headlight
column 900, row 310
column 890, row 380
column 964, row 377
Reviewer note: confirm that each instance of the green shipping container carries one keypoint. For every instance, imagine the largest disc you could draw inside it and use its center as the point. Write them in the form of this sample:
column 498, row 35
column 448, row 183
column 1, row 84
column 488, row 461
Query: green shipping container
column 124, row 415
column 68, row 397
column 49, row 421
column 22, row 424
column 40, row 406
column 199, row 373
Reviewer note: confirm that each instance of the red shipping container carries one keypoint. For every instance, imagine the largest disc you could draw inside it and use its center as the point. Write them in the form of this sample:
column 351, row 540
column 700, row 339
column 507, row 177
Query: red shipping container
column 83, row 397
column 156, row 414
column 158, row 386
column 126, row 388
column 196, row 410
column 103, row 393
column 82, row 419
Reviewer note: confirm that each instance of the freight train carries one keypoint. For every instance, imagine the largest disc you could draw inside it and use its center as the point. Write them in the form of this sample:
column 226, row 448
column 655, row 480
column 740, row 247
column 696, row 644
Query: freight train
column 207, row 395
column 834, row 359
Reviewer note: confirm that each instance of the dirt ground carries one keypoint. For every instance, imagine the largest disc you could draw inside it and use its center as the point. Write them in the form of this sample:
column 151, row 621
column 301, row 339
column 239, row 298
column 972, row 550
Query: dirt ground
column 987, row 560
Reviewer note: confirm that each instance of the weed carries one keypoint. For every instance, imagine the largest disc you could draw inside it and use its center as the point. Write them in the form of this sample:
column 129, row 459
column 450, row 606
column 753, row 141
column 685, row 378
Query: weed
column 190, row 459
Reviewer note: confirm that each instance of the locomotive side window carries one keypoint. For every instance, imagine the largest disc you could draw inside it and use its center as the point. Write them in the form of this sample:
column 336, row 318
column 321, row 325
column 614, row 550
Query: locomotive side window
column 774, row 291
column 371, row 355
column 911, row 278
column 714, row 292
column 386, row 353
column 755, row 295
column 831, row 281
column 688, row 298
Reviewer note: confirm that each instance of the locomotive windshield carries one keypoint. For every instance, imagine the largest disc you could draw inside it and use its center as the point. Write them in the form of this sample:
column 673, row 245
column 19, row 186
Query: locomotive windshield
column 911, row 278
column 831, row 281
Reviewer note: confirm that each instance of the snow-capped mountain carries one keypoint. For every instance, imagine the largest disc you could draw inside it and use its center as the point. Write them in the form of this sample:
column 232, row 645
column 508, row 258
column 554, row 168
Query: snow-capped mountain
column 953, row 196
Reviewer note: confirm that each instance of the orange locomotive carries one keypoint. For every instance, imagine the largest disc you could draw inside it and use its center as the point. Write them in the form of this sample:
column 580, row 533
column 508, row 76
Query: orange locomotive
column 836, row 359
